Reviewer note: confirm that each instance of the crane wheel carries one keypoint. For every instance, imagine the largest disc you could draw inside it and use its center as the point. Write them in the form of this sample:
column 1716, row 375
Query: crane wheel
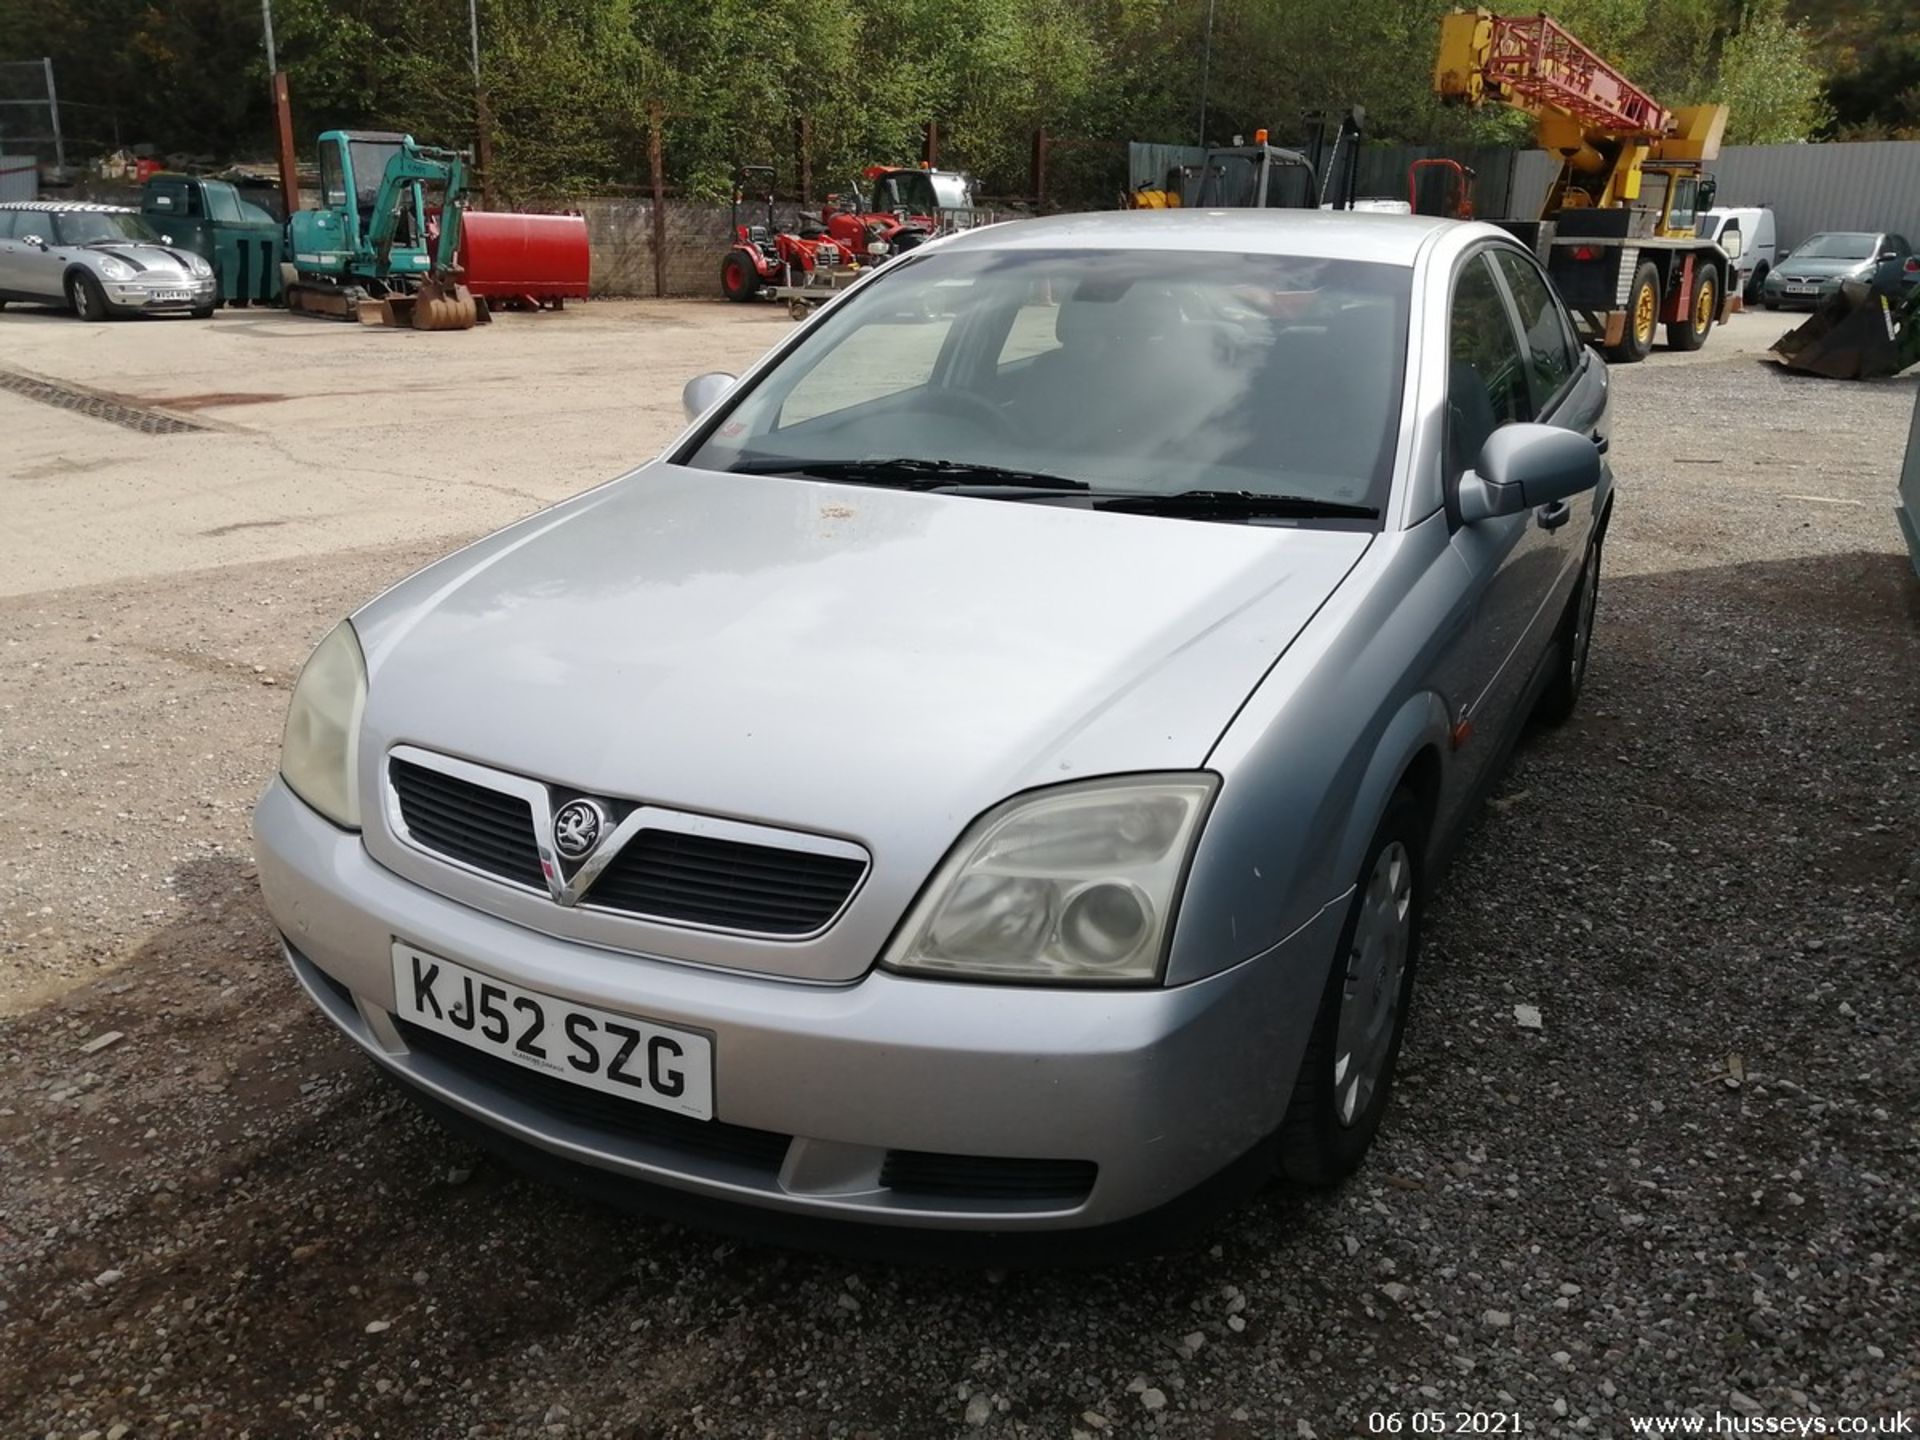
column 1703, row 308
column 1643, row 317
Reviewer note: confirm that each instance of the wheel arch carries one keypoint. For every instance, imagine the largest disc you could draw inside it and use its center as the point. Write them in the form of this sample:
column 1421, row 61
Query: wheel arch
column 1408, row 756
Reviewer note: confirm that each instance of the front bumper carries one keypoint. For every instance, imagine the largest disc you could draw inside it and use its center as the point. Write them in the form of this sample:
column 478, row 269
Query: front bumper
column 140, row 295
column 1774, row 288
column 1143, row 1094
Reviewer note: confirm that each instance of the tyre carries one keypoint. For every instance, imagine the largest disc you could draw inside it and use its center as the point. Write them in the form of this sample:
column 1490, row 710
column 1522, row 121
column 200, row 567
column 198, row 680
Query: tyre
column 1754, row 281
column 205, row 312
column 1573, row 640
column 1346, row 1074
column 86, row 297
column 738, row 279
column 1690, row 332
column 1643, row 315
column 1770, row 302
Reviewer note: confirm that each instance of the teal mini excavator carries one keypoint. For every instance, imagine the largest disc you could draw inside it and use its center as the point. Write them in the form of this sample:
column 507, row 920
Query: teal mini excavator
column 382, row 246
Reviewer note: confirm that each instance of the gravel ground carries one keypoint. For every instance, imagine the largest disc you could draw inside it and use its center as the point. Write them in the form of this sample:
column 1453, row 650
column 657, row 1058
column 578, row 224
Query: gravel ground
column 1695, row 1186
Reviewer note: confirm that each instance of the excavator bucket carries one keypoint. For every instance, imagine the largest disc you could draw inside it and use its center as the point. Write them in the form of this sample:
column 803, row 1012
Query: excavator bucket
column 434, row 306
column 1866, row 330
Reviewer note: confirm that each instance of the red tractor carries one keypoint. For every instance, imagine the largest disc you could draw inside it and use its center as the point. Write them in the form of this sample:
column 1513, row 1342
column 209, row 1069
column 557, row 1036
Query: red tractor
column 902, row 207
column 799, row 268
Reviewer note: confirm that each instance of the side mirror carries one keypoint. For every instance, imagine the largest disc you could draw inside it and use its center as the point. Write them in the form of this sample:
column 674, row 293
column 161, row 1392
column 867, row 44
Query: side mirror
column 703, row 392
column 1524, row 466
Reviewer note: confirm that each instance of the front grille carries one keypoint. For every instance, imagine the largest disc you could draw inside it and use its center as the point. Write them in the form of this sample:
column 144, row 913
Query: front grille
column 986, row 1177
column 478, row 826
column 726, row 883
column 761, row 1151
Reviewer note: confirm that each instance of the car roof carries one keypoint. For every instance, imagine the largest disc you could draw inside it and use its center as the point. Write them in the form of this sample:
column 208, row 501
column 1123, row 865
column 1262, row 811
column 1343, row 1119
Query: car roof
column 64, row 207
column 1313, row 234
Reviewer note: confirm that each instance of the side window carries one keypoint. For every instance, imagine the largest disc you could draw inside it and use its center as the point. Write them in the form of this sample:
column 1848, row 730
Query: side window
column 7, row 219
column 166, row 197
column 1898, row 244
column 1486, row 374
column 333, row 185
column 1034, row 331
column 847, row 375
column 1550, row 352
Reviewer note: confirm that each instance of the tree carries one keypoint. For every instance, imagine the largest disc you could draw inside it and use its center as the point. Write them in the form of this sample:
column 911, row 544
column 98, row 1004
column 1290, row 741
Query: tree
column 1769, row 81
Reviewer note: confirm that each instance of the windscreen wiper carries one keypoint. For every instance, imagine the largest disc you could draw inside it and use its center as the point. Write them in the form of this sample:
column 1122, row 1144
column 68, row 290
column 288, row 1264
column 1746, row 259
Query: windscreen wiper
column 907, row 473
column 1235, row 505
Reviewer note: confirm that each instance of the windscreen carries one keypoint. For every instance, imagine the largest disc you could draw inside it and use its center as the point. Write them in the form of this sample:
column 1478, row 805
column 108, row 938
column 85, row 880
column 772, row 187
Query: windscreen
column 369, row 159
column 1138, row 372
column 1838, row 245
column 91, row 227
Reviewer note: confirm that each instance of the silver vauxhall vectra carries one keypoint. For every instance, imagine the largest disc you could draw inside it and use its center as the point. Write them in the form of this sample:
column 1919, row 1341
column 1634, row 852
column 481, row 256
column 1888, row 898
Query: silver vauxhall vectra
column 987, row 774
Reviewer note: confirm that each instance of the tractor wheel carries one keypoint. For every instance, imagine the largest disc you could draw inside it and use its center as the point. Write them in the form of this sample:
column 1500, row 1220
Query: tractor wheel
column 1703, row 308
column 738, row 278
column 1643, row 315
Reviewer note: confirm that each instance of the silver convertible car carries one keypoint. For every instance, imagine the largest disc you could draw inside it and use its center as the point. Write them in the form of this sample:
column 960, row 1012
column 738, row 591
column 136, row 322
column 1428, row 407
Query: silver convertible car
column 988, row 773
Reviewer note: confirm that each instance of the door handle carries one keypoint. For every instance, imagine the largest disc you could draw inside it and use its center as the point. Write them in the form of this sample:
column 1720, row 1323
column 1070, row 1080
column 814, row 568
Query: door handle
column 1552, row 517
column 1599, row 442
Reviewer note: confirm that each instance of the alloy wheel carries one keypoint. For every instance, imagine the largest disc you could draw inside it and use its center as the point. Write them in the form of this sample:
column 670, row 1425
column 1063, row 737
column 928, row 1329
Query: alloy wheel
column 1370, row 995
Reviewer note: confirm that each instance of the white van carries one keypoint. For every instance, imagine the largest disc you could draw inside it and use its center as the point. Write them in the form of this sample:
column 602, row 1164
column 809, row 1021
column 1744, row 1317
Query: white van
column 1754, row 248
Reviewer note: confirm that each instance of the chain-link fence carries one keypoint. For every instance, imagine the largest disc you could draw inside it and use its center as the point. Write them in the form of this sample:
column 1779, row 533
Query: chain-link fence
column 30, row 114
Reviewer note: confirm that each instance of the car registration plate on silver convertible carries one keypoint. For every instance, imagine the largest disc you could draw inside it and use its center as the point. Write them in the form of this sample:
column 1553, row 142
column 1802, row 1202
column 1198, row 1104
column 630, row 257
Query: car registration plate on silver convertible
column 165, row 295
column 639, row 1060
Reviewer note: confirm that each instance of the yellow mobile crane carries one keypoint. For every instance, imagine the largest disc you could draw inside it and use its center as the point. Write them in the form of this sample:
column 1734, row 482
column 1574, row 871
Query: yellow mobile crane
column 1617, row 230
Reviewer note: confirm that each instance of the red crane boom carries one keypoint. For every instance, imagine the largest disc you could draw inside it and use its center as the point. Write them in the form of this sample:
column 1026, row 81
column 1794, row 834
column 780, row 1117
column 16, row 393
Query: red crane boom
column 1535, row 58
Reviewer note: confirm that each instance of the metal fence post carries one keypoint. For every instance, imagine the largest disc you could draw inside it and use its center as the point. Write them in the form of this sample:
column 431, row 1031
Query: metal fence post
column 53, row 108
column 656, row 165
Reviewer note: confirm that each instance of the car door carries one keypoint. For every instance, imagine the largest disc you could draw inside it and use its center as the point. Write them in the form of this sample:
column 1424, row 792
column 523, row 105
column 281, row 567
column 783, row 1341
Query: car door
column 39, row 269
column 1500, row 374
column 9, row 259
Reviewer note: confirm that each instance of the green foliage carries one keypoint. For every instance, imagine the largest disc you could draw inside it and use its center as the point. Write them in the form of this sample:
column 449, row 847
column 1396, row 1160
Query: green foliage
column 1769, row 81
column 824, row 89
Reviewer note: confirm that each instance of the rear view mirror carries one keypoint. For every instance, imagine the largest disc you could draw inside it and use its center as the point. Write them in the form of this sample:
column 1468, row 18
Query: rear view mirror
column 1524, row 466
column 703, row 392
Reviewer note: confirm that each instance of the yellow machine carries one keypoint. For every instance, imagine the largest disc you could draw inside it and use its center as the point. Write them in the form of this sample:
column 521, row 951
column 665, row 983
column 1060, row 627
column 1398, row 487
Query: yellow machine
column 1617, row 229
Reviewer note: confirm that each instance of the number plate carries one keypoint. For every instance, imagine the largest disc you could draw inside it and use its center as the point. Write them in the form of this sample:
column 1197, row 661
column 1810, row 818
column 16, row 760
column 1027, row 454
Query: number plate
column 622, row 1055
column 173, row 295
column 1802, row 289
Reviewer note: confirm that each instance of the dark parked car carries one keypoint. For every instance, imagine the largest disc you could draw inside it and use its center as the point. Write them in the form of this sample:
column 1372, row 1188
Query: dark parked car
column 1818, row 264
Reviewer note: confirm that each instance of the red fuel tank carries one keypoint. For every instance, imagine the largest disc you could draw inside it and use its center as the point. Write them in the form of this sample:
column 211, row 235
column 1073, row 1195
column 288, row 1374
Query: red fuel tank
column 507, row 256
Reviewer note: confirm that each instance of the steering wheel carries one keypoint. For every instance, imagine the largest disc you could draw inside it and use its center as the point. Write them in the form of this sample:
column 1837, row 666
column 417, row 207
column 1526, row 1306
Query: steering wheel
column 966, row 405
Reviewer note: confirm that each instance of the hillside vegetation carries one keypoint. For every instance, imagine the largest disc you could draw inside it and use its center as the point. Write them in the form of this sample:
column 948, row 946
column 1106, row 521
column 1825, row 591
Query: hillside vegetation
column 570, row 81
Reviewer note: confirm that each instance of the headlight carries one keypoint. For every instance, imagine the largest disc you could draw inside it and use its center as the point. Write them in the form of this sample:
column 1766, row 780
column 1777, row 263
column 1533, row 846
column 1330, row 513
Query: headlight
column 1072, row 885
column 115, row 269
column 199, row 266
column 320, row 752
